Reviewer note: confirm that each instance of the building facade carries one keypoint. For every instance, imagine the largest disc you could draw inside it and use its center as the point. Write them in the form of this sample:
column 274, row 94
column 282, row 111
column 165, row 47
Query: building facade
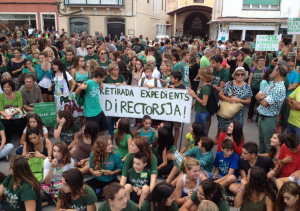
column 132, row 17
column 41, row 14
column 244, row 19
column 188, row 17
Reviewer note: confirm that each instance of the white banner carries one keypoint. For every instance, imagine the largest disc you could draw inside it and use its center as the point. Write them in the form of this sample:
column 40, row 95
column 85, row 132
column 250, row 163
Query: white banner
column 135, row 102
column 293, row 26
column 67, row 102
column 267, row 42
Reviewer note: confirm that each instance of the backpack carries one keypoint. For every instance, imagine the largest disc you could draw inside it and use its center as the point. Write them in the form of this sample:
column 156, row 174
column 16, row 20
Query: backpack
column 265, row 68
column 213, row 102
column 37, row 167
column 143, row 81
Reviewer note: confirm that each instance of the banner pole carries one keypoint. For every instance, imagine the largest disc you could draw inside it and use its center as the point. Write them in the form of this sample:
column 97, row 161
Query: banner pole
column 181, row 135
column 296, row 57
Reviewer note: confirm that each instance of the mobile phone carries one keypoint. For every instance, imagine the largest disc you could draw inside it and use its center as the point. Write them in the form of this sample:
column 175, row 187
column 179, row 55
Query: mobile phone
column 276, row 60
column 228, row 134
column 31, row 152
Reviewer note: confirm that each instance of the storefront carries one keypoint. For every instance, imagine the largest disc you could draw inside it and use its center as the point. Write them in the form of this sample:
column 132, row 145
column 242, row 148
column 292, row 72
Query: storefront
column 12, row 21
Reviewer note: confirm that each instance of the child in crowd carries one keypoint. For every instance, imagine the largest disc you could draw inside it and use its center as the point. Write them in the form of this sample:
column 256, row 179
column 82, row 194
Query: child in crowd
column 138, row 179
column 250, row 158
column 188, row 182
column 256, row 191
column 176, row 83
column 207, row 190
column 226, row 163
column 288, row 197
column 145, row 129
column 66, row 129
column 277, row 141
column 183, row 67
column 91, row 105
column 149, row 81
column 86, row 140
column 75, row 194
column 234, row 133
column 289, row 157
column 193, row 137
column 202, row 96
column 161, row 198
column 34, row 120
column 159, row 149
column 35, row 58
column 123, row 137
column 105, row 163
column 29, row 68
column 166, row 70
column 58, row 162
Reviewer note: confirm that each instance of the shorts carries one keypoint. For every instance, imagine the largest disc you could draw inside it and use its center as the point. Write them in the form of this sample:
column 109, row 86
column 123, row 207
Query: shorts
column 134, row 197
column 101, row 121
column 45, row 91
column 295, row 181
column 177, row 125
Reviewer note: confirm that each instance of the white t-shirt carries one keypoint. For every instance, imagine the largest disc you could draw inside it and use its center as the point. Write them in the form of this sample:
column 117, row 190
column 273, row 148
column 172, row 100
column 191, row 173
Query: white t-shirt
column 292, row 178
column 81, row 53
column 45, row 131
column 45, row 82
column 56, row 176
column 155, row 74
column 30, row 31
column 150, row 82
column 61, row 86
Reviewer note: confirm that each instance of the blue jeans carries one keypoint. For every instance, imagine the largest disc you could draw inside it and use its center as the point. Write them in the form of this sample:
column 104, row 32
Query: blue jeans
column 8, row 148
column 111, row 124
column 211, row 175
column 202, row 118
column 3, row 205
column 293, row 129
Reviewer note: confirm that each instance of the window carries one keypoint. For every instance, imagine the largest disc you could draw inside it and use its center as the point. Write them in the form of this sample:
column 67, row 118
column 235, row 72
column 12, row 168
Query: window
column 162, row 4
column 148, row 1
column 94, row 2
column 261, row 5
column 198, row 1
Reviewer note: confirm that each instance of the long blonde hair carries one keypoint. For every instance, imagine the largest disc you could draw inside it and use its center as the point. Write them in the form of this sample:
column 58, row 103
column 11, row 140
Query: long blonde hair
column 207, row 205
column 100, row 154
column 93, row 65
column 46, row 49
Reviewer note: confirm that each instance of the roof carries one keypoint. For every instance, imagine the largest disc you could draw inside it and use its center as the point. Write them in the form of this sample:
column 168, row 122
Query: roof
column 189, row 8
column 252, row 20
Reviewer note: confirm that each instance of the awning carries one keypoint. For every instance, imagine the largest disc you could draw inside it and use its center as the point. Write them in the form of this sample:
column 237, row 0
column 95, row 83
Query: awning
column 249, row 20
column 190, row 8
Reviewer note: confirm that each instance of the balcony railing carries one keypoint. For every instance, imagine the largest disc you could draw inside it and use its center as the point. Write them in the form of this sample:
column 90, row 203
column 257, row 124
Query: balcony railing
column 95, row 2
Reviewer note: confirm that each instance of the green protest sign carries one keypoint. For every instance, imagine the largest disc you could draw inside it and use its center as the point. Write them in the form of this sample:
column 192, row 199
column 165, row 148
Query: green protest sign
column 178, row 159
column 47, row 112
column 293, row 26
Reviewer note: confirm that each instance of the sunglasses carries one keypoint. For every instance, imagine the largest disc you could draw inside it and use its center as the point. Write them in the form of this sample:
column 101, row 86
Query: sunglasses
column 102, row 53
column 240, row 74
column 89, row 48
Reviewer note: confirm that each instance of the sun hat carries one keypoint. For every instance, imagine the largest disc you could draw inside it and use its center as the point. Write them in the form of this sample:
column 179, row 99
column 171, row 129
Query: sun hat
column 240, row 69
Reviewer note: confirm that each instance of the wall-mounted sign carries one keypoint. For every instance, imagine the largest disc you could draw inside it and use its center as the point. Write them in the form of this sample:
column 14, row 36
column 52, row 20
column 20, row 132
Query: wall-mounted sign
column 12, row 17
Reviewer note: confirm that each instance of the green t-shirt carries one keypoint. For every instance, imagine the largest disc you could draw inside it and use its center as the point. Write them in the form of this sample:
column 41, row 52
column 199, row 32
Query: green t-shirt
column 25, row 70
column 16, row 197
column 146, row 206
column 101, row 38
column 88, row 198
column 29, row 57
column 6, row 103
column 126, row 59
column 67, row 135
column 165, row 78
column 175, row 66
column 95, row 57
column 120, row 47
column 219, row 76
column 91, row 103
column 248, row 61
column 105, row 64
column 63, row 53
column 131, row 206
column 256, row 78
column 128, row 163
column 202, row 90
column 35, row 62
column 223, row 206
column 123, row 148
column 139, row 179
column 68, row 65
column 204, row 62
column 138, row 47
column 184, row 69
column 108, row 79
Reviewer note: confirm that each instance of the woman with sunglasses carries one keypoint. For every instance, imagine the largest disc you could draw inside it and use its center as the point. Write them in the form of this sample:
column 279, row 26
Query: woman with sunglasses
column 81, row 50
column 242, row 94
column 21, row 189
column 104, row 62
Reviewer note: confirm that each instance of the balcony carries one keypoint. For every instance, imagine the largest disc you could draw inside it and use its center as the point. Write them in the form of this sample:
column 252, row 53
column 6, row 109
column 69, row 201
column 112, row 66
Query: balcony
column 94, row 3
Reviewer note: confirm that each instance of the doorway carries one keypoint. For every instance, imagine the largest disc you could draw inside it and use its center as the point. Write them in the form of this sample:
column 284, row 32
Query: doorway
column 235, row 35
column 79, row 25
column 195, row 24
column 115, row 26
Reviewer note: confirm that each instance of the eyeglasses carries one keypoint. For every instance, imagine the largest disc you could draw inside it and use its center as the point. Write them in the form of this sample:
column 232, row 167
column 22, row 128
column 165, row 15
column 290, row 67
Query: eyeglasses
column 117, row 69
column 102, row 53
column 89, row 48
column 240, row 74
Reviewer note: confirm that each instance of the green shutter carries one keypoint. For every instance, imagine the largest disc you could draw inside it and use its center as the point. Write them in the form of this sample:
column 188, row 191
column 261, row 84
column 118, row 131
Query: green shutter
column 262, row 2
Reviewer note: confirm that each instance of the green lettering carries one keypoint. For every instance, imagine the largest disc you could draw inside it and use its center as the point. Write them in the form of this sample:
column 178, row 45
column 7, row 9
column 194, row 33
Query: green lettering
column 123, row 105
column 170, row 104
column 106, row 105
column 101, row 92
column 186, row 97
column 118, row 91
column 131, row 93
column 163, row 95
column 155, row 107
column 162, row 109
column 176, row 95
column 171, row 97
column 122, row 92
column 150, row 110
column 129, row 107
column 148, row 94
column 143, row 93
column 177, row 110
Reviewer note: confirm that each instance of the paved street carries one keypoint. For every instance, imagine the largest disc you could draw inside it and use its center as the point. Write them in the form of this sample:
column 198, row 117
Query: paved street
column 250, row 133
